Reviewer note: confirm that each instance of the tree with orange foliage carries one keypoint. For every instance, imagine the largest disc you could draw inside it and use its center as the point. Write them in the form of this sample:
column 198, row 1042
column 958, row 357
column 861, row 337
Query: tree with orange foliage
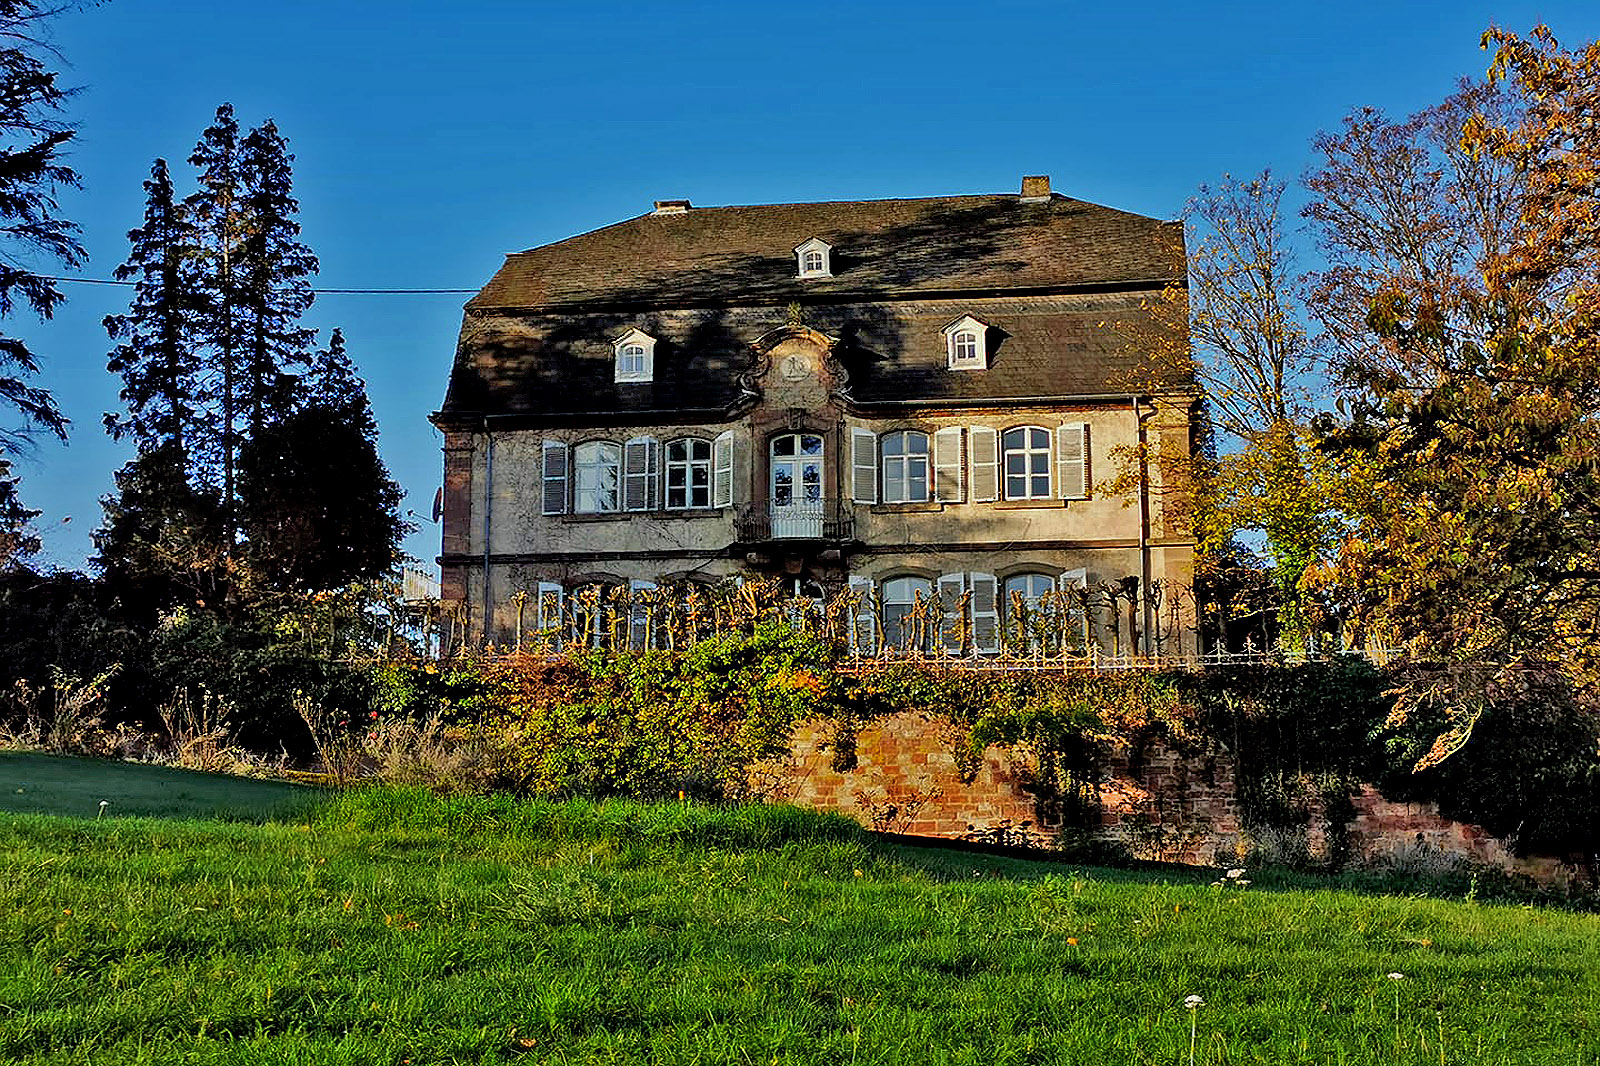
column 1463, row 299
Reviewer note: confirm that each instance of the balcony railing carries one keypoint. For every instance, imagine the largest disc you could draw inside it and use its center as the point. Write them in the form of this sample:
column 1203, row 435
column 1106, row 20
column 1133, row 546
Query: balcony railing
column 826, row 519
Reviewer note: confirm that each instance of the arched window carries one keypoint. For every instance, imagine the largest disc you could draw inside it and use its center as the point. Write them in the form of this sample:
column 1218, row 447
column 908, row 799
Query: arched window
column 1025, row 455
column 966, row 347
column 905, row 467
column 634, row 352
column 1021, row 604
column 902, row 626
column 688, row 473
column 964, row 344
column 812, row 258
column 597, row 466
column 630, row 361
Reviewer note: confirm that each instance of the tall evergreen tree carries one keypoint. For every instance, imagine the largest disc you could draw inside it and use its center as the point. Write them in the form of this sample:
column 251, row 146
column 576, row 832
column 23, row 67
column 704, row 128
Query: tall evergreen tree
column 274, row 272
column 156, row 356
column 215, row 212
column 32, row 138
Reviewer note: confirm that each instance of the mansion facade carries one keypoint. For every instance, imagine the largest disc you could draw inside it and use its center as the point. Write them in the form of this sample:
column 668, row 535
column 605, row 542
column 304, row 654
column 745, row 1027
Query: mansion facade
column 908, row 399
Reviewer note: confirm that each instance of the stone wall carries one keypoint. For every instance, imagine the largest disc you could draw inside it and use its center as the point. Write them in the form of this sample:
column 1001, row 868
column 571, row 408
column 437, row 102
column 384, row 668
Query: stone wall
column 903, row 776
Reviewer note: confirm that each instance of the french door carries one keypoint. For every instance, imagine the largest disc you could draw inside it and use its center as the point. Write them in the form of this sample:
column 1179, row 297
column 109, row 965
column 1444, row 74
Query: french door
column 796, row 485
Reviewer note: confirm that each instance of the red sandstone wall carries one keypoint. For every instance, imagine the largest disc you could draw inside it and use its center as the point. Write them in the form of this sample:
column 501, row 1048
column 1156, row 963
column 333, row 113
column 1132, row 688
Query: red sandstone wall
column 905, row 779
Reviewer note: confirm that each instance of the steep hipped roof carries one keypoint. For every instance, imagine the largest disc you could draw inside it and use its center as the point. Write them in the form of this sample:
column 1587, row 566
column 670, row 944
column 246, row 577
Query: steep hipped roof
column 1049, row 275
column 746, row 254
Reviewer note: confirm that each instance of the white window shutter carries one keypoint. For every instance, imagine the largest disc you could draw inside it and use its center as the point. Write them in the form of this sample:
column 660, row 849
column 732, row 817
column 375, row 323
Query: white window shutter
column 863, row 620
column 652, row 481
column 722, row 470
column 951, row 588
column 983, row 445
column 863, row 466
column 1072, row 460
column 639, row 634
column 554, row 472
column 947, row 480
column 985, row 613
column 641, row 478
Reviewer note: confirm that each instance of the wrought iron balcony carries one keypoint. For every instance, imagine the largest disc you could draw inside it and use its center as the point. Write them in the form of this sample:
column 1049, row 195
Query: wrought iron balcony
column 822, row 519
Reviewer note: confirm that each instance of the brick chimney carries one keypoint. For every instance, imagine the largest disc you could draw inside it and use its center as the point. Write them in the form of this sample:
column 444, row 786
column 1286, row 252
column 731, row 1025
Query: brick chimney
column 678, row 207
column 1035, row 188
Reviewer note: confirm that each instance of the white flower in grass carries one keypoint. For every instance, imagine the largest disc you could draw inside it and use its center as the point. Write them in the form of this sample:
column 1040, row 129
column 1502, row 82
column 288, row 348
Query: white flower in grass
column 1397, row 977
column 1236, row 873
column 1193, row 1002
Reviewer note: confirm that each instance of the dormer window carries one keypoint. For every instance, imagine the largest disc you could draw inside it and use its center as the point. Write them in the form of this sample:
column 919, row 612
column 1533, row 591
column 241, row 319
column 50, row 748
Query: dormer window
column 814, row 259
column 635, row 353
column 965, row 345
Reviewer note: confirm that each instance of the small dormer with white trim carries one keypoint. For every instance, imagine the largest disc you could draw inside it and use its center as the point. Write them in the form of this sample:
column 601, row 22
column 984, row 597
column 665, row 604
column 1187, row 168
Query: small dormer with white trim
column 814, row 259
column 966, row 344
column 635, row 353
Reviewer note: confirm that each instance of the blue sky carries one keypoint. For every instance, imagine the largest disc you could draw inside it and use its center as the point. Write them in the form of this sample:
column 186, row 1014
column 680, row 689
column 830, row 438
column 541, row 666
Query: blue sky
column 431, row 139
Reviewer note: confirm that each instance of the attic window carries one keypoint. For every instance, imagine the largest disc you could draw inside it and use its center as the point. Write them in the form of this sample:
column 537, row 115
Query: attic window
column 813, row 259
column 965, row 344
column 635, row 353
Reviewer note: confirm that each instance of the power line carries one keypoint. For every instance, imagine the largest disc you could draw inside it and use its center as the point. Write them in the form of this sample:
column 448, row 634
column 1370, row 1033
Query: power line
column 318, row 292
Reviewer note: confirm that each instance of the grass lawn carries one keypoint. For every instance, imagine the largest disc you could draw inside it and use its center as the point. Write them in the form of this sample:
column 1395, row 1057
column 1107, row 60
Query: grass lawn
column 392, row 927
column 55, row 784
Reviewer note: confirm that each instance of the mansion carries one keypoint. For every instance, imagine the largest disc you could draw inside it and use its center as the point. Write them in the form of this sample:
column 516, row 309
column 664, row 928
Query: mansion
column 903, row 398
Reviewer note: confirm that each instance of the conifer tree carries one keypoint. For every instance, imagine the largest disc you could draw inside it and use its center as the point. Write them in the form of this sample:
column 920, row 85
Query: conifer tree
column 156, row 356
column 18, row 539
column 215, row 213
column 32, row 138
column 31, row 172
column 274, row 272
column 318, row 507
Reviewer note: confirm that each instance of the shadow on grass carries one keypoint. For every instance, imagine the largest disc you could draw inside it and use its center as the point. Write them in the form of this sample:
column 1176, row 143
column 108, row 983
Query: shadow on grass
column 36, row 783
column 957, row 860
column 951, row 860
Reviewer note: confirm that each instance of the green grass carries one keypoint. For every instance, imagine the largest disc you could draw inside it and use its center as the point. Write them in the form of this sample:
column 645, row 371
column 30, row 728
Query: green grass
column 35, row 783
column 392, row 927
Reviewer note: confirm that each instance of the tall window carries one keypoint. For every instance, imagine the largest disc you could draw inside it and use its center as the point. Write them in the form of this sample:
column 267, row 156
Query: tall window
column 1025, row 451
column 1021, row 604
column 902, row 625
column 905, row 467
column 598, row 468
column 688, row 474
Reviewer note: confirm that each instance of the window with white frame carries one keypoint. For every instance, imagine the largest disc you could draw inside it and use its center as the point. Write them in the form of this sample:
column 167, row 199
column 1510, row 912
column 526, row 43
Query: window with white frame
column 635, row 356
column 1023, row 595
column 630, row 362
column 597, row 466
column 905, row 466
column 906, row 622
column 1025, row 459
column 813, row 259
column 965, row 344
column 688, row 474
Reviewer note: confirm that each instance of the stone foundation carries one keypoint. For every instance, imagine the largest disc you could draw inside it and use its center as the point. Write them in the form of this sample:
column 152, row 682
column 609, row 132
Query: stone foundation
column 903, row 776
